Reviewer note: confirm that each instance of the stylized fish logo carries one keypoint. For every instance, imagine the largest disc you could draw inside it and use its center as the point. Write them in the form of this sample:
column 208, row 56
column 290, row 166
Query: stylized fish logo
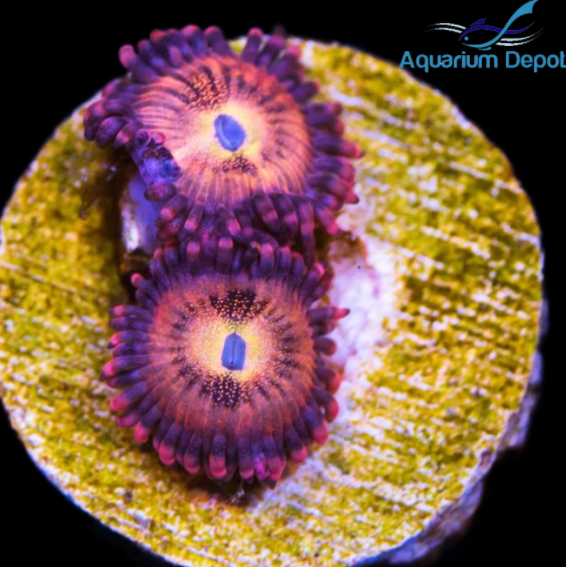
column 501, row 32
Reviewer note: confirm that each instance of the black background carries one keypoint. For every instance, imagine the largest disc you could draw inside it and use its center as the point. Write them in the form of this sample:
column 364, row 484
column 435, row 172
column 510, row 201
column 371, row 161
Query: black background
column 54, row 60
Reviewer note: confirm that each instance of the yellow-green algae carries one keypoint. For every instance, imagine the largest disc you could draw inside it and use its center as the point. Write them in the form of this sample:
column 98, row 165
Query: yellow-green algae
column 418, row 429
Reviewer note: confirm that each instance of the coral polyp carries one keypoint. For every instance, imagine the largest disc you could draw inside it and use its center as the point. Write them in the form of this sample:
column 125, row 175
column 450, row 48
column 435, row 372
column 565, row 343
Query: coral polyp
column 221, row 362
column 228, row 143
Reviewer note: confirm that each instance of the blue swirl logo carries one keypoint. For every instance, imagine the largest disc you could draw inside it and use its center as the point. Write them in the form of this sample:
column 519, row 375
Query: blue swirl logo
column 501, row 38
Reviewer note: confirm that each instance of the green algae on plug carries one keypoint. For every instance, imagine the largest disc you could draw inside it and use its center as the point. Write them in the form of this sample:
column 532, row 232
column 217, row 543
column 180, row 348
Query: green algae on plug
column 439, row 348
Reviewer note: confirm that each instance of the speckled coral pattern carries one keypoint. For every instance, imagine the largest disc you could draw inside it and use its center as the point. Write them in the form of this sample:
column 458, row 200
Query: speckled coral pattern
column 440, row 341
